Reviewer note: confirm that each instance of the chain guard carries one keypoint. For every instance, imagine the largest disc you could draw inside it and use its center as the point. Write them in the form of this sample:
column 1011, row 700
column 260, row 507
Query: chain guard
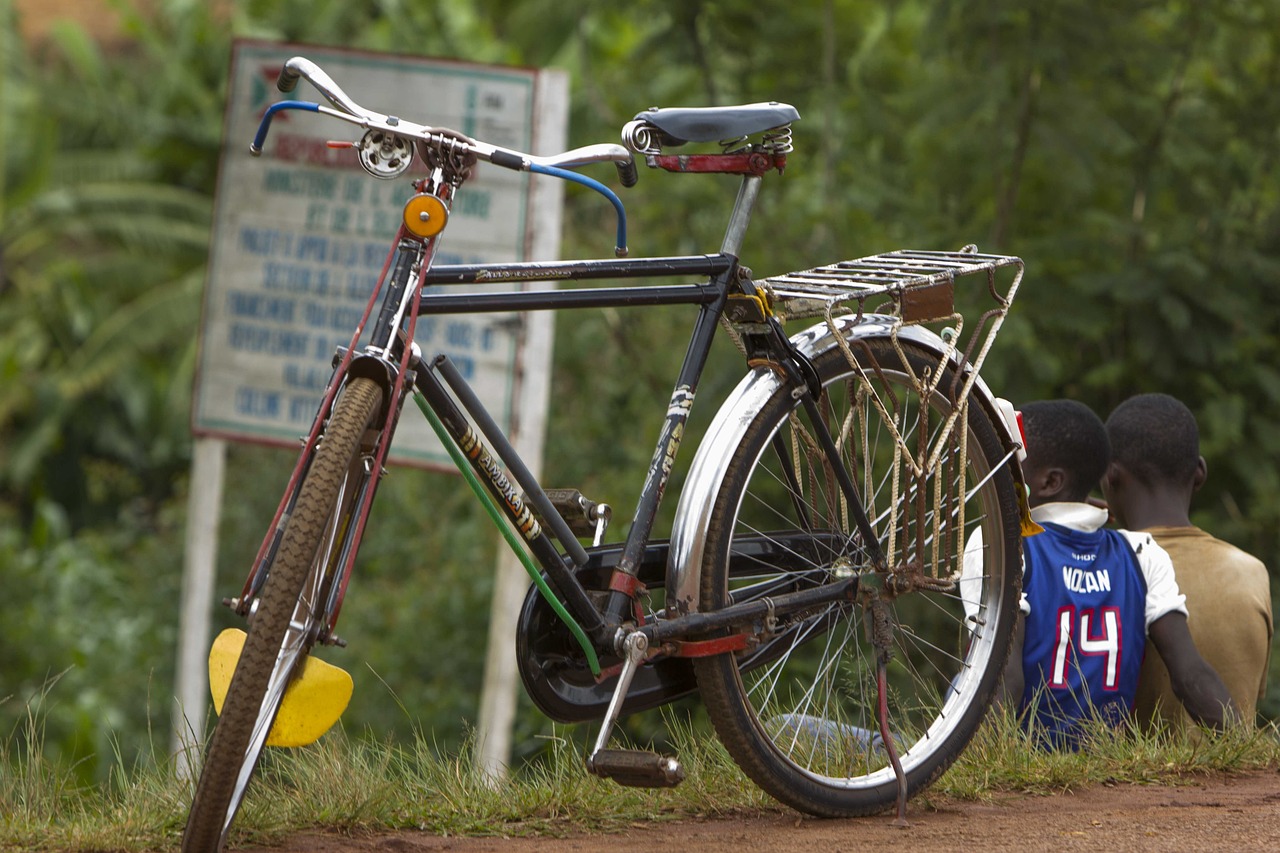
column 554, row 670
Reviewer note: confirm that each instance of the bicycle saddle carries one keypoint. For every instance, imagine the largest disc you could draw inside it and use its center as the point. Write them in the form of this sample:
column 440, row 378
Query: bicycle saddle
column 709, row 124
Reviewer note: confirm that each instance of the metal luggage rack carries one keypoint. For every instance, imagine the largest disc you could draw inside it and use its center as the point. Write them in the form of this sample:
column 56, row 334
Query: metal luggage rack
column 912, row 287
column 915, row 286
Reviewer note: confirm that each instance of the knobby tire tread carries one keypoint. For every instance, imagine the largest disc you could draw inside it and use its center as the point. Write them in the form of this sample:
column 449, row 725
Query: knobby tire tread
column 317, row 497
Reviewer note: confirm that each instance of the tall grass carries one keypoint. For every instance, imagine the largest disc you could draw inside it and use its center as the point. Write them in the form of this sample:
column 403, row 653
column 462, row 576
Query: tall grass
column 348, row 784
column 1002, row 758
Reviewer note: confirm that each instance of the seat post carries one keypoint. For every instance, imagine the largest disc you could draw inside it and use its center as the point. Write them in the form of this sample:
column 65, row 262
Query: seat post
column 741, row 216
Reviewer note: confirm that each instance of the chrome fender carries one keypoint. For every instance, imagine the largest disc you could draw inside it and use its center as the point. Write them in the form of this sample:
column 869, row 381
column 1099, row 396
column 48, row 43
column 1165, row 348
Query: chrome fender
column 711, row 462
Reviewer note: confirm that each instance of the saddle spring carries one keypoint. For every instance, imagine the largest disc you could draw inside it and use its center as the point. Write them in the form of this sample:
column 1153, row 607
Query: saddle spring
column 777, row 140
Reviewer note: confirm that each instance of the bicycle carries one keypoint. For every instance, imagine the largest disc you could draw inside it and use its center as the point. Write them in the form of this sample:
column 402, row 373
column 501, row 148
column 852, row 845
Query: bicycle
column 820, row 587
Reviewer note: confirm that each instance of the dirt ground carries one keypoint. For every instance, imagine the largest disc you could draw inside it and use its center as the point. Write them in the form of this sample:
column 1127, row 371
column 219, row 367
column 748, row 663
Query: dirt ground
column 1230, row 813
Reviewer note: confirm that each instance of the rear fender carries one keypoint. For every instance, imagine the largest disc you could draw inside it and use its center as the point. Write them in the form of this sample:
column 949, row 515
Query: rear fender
column 711, row 462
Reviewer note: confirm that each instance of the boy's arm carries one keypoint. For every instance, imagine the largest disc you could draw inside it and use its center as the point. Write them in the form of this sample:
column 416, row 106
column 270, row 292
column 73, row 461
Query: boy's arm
column 1194, row 682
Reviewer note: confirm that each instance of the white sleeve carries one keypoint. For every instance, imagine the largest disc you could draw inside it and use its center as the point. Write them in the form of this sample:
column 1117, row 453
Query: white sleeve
column 1163, row 595
column 971, row 576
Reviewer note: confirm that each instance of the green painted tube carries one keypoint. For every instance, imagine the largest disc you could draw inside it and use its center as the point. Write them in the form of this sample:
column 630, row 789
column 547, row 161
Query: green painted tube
column 486, row 500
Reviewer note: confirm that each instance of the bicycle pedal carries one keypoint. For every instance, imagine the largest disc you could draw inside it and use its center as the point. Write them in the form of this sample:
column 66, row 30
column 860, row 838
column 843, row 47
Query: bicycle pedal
column 585, row 517
column 636, row 768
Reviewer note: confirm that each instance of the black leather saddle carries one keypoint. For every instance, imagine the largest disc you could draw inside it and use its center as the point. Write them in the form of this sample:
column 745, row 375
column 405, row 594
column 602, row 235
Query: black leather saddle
column 710, row 124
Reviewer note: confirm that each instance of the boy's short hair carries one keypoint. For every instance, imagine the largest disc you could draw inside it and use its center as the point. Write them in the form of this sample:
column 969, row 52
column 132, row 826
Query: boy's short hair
column 1067, row 434
column 1155, row 438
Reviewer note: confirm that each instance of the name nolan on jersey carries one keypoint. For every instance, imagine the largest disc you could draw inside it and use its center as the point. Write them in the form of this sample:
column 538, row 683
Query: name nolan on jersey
column 1085, row 580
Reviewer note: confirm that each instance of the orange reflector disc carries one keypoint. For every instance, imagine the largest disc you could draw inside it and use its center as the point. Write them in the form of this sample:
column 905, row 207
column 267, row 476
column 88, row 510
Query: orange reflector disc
column 425, row 216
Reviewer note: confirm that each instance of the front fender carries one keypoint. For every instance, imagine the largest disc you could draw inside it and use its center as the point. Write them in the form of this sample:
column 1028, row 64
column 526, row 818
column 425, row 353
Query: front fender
column 727, row 429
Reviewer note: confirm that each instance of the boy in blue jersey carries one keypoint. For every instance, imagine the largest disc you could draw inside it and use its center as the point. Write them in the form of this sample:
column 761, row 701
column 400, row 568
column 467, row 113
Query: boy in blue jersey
column 1092, row 596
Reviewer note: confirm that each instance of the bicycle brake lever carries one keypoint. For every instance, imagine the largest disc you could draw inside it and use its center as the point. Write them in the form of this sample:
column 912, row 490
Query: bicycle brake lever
column 259, row 138
column 621, row 248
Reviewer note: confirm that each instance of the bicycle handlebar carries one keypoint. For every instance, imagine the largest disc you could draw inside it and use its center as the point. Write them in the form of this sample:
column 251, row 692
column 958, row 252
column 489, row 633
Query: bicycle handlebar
column 346, row 109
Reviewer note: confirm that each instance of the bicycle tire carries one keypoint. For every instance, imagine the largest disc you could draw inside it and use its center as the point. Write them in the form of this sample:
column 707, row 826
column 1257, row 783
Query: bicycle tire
column 272, row 650
column 802, row 723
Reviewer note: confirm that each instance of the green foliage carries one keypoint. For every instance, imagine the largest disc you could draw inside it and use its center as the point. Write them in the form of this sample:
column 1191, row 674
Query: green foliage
column 75, row 646
column 1129, row 153
column 103, row 259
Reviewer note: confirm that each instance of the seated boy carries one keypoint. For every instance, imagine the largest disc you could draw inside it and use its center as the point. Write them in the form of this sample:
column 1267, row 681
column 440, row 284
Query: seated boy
column 1092, row 597
column 1155, row 468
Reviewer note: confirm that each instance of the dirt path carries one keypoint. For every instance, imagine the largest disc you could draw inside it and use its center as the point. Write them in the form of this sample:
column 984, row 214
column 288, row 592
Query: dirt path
column 1221, row 813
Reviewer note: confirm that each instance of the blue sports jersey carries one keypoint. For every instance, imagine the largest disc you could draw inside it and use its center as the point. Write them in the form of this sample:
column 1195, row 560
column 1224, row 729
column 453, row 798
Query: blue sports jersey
column 1086, row 632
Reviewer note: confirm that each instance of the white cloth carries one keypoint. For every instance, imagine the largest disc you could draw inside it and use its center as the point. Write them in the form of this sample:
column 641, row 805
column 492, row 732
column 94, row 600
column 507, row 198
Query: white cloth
column 1163, row 595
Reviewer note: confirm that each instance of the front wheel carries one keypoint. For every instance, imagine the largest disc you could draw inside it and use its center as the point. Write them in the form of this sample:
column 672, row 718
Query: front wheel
column 802, row 718
column 283, row 620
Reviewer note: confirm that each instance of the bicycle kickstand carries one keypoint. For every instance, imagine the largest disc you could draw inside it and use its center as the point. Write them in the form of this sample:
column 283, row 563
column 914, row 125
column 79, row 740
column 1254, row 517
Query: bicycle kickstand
column 881, row 627
column 637, row 768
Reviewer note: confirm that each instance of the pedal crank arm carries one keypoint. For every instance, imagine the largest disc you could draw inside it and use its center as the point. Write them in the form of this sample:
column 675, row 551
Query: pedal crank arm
column 632, row 767
column 634, row 647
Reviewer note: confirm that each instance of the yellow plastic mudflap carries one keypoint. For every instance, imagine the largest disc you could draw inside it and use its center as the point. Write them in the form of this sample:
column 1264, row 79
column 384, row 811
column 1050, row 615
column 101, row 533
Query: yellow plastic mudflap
column 312, row 703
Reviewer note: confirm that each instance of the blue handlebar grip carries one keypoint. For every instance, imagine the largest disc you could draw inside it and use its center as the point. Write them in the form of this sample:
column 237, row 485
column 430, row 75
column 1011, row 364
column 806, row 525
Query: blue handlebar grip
column 621, row 249
column 255, row 147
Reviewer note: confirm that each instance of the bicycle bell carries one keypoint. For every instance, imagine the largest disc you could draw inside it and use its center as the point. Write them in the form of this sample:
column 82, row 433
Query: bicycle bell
column 384, row 155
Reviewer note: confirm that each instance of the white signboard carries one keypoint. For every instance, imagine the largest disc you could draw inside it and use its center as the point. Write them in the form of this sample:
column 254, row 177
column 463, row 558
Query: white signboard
column 301, row 234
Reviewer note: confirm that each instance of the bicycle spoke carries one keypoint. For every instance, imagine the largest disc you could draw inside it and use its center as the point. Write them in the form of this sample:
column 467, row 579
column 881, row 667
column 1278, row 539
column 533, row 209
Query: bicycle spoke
column 807, row 719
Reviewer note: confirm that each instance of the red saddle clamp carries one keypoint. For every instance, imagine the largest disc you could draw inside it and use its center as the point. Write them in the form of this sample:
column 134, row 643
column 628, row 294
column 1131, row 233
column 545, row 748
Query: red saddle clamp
column 746, row 163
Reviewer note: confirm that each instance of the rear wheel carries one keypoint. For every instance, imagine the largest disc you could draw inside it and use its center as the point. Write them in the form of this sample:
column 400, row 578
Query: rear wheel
column 284, row 619
column 801, row 718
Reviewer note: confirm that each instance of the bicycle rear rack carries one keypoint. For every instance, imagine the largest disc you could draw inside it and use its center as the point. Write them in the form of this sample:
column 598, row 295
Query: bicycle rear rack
column 905, row 287
column 916, row 286
column 911, row 287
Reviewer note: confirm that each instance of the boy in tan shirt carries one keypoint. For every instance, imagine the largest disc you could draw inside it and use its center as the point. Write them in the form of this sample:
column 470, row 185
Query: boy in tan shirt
column 1155, row 468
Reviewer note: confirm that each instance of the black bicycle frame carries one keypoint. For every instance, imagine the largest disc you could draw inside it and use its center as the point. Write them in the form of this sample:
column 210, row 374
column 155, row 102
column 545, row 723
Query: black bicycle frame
column 407, row 294
column 441, row 384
